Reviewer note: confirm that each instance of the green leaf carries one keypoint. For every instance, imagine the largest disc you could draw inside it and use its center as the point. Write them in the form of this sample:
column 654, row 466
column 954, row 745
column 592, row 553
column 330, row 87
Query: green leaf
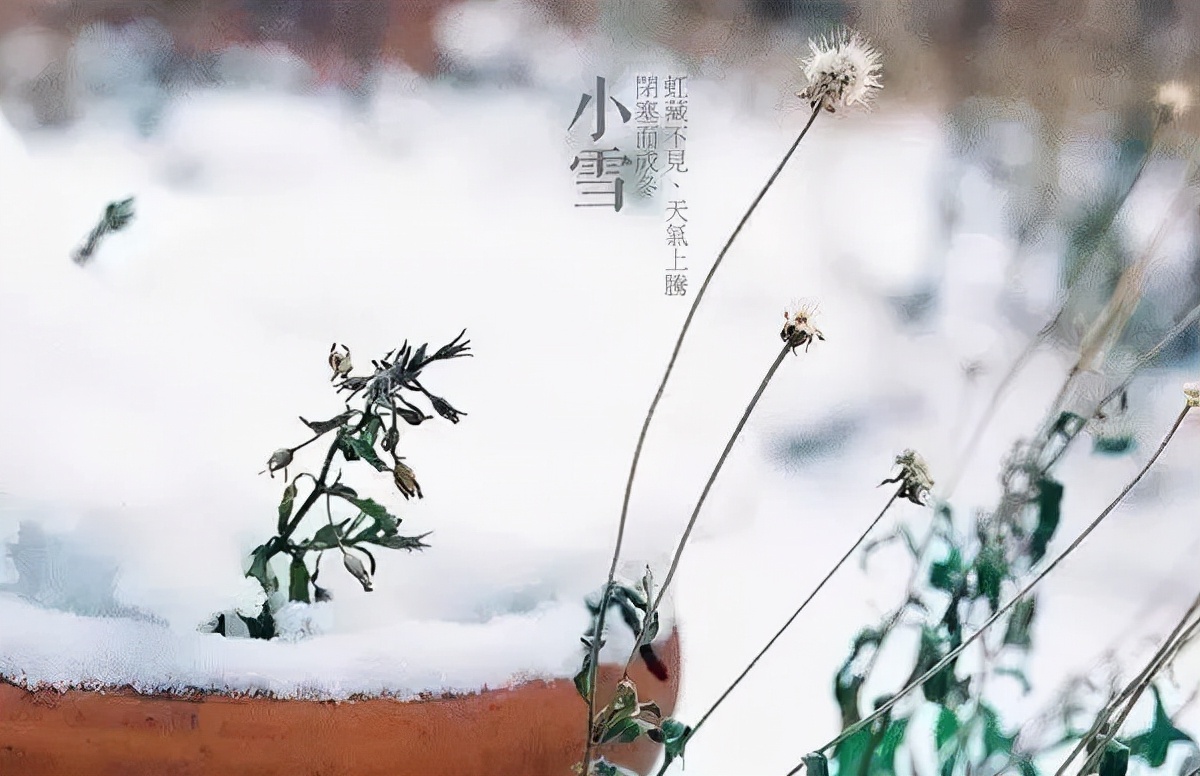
column 674, row 736
column 326, row 537
column 816, row 764
column 260, row 568
column 1020, row 622
column 947, row 574
column 1049, row 502
column 1152, row 745
column 386, row 520
column 944, row 733
column 623, row 731
column 602, row 767
column 849, row 753
column 583, row 679
column 371, row 432
column 298, row 587
column 994, row 740
column 286, row 504
column 1118, row 444
column 884, row 763
column 1115, row 760
column 846, row 689
column 397, row 542
column 1026, row 767
column 931, row 650
column 990, row 570
column 354, row 448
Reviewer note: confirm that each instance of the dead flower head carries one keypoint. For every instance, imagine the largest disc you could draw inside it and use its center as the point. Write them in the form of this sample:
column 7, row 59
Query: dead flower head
column 406, row 481
column 914, row 477
column 339, row 360
column 280, row 459
column 1173, row 99
column 798, row 328
column 842, row 70
column 1192, row 392
column 357, row 570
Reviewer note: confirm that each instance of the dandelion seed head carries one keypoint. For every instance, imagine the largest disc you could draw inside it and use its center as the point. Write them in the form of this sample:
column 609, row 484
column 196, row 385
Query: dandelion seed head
column 1173, row 99
column 842, row 70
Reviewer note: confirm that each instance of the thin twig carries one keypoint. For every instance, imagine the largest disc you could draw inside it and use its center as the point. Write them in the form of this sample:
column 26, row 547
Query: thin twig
column 1043, row 333
column 954, row 653
column 712, row 478
column 862, row 537
column 1131, row 694
column 594, row 653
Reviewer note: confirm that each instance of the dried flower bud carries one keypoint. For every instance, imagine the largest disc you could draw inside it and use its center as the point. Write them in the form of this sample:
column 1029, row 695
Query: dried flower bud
column 390, row 439
column 798, row 328
column 443, row 408
column 914, row 477
column 356, row 567
column 339, row 361
column 280, row 459
column 1192, row 392
column 406, row 482
column 1173, row 99
column 411, row 416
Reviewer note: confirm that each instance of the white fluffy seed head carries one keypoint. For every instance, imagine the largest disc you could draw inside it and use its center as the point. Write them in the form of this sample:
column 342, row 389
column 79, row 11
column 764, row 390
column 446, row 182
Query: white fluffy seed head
column 1173, row 99
column 842, row 70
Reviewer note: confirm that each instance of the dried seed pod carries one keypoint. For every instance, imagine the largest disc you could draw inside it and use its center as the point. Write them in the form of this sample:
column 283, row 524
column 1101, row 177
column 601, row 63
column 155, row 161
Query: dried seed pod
column 280, row 459
column 339, row 361
column 406, row 481
column 356, row 568
column 914, row 476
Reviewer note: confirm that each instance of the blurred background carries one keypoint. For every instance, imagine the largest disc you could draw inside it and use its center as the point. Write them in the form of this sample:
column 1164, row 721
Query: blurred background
column 310, row 169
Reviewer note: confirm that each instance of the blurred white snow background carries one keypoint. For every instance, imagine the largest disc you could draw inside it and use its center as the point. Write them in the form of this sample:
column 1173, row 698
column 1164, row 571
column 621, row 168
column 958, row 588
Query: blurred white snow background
column 143, row 392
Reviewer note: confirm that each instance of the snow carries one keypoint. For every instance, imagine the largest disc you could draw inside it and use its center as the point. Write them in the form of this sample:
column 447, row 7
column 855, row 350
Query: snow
column 147, row 390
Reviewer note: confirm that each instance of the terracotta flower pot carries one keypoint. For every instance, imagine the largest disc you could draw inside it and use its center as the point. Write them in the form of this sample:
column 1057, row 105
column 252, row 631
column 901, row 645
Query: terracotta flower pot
column 532, row 729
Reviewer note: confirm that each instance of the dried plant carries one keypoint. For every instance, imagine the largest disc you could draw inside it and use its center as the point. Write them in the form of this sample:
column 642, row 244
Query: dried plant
column 367, row 434
column 117, row 216
column 841, row 71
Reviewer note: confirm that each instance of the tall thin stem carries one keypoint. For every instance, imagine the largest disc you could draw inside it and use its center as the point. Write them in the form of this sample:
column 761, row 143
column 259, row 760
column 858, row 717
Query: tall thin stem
column 712, row 478
column 954, row 653
column 594, row 653
column 1039, row 338
column 1131, row 693
column 862, row 537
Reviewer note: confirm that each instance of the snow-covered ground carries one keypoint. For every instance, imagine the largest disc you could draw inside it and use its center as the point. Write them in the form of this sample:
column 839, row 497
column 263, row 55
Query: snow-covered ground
column 144, row 392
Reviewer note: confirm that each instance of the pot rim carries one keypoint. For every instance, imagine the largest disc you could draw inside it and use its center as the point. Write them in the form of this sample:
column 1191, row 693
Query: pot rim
column 198, row 694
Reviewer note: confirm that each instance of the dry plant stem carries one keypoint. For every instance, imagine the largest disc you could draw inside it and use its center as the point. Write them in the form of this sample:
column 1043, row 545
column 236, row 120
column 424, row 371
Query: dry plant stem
column 862, row 537
column 1039, row 338
column 909, row 589
column 1111, row 707
column 954, row 653
column 1133, row 692
column 1147, row 609
column 1180, row 327
column 712, row 478
column 637, row 451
